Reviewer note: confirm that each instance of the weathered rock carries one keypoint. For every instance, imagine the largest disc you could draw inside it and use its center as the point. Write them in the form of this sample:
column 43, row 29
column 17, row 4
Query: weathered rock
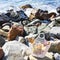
column 55, row 47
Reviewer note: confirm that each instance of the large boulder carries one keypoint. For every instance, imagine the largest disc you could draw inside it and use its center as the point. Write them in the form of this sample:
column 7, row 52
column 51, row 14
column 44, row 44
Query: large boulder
column 14, row 50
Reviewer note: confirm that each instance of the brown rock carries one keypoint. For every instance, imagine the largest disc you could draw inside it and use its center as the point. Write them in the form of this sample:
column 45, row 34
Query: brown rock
column 1, row 53
column 55, row 47
column 26, row 6
column 14, row 31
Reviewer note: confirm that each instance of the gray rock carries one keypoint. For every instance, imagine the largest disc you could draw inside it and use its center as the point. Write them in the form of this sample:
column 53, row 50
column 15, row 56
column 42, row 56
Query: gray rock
column 57, row 56
column 2, row 41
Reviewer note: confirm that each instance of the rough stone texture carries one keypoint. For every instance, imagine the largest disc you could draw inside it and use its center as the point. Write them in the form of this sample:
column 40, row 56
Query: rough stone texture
column 55, row 46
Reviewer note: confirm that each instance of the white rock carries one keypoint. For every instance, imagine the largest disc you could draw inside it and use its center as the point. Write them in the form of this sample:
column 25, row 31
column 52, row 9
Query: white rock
column 15, row 50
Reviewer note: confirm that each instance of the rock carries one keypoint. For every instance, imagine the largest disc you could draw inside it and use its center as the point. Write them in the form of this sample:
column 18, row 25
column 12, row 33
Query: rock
column 34, row 22
column 33, row 14
column 52, row 15
column 14, row 50
column 42, row 15
column 6, row 28
column 55, row 30
column 58, row 10
column 2, row 41
column 41, row 27
column 49, row 26
column 3, row 18
column 55, row 47
column 3, row 33
column 26, row 6
column 48, row 56
column 31, row 29
column 1, row 53
column 15, row 31
column 30, row 12
column 57, row 56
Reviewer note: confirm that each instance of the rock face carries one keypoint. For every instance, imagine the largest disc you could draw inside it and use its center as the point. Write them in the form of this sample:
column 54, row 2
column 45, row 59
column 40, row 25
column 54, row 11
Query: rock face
column 55, row 47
